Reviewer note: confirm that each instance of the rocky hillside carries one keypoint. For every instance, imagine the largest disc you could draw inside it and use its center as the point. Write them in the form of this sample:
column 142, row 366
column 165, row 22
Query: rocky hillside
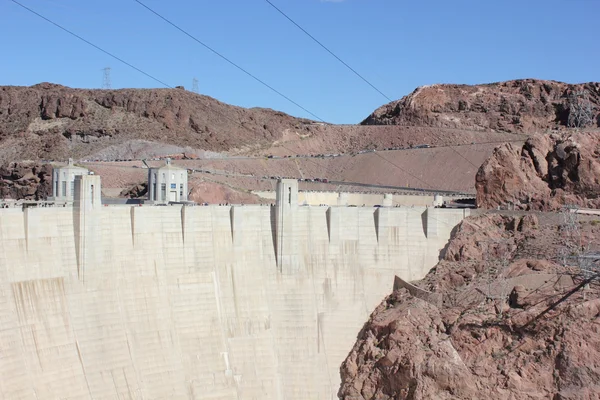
column 519, row 106
column 545, row 173
column 475, row 327
column 49, row 121
column 55, row 122
column 28, row 181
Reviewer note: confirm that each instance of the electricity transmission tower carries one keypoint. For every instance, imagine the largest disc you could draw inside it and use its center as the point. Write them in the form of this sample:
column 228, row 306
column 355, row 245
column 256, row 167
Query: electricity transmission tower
column 574, row 253
column 496, row 256
column 570, row 230
column 195, row 86
column 581, row 112
column 574, row 247
column 106, row 83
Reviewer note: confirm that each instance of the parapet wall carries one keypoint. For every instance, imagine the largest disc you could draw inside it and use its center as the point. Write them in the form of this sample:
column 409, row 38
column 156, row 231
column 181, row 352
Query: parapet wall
column 198, row 302
column 358, row 198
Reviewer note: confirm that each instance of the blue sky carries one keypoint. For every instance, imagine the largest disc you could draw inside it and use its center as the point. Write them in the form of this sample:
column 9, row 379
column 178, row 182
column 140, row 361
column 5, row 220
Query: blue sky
column 397, row 45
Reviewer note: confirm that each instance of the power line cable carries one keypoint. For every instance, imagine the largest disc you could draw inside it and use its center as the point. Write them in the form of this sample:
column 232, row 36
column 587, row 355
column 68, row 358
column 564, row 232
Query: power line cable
column 364, row 184
column 319, row 165
column 165, row 84
column 227, row 59
column 168, row 86
column 327, row 49
column 348, row 183
column 469, row 161
column 393, row 201
column 448, row 146
column 125, row 62
column 117, row 58
column 91, row 44
column 240, row 124
column 402, row 169
column 463, row 157
column 225, row 116
column 408, row 189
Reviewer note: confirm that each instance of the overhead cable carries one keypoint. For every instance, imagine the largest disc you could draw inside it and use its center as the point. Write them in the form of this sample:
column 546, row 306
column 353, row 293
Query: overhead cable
column 123, row 61
column 328, row 50
column 227, row 59
column 91, row 44
column 463, row 157
column 403, row 170
column 168, row 86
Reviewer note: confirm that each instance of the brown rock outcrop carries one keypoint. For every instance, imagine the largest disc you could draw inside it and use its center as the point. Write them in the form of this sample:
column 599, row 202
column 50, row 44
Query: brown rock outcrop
column 481, row 342
column 48, row 121
column 544, row 174
column 54, row 122
column 519, row 106
column 29, row 181
column 135, row 191
column 389, row 361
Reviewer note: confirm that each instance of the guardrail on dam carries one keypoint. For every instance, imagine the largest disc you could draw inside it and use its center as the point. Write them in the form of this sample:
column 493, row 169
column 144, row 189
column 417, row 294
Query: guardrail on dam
column 212, row 302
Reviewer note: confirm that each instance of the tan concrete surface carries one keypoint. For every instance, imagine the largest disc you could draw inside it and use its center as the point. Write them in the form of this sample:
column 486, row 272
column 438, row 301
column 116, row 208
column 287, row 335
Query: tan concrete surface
column 357, row 199
column 190, row 303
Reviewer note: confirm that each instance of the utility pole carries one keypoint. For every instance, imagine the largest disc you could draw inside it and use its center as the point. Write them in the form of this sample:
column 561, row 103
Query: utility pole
column 106, row 83
column 195, row 86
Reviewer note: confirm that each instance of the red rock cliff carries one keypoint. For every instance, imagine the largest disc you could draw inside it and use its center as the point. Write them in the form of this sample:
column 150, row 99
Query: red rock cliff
column 547, row 172
column 519, row 106
column 497, row 275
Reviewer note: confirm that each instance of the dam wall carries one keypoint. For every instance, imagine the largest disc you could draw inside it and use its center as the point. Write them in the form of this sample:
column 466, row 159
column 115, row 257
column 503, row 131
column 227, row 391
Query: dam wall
column 358, row 198
column 214, row 302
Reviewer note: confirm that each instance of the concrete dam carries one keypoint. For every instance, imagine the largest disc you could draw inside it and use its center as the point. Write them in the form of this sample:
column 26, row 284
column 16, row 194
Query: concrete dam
column 211, row 302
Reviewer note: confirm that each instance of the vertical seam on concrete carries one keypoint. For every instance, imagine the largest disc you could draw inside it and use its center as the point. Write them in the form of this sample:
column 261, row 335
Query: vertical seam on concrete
column 83, row 369
column 218, row 296
column 280, row 237
column 132, row 221
column 231, row 224
column 328, row 217
column 273, row 219
column 183, row 225
column 26, row 222
column 319, row 332
column 377, row 225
